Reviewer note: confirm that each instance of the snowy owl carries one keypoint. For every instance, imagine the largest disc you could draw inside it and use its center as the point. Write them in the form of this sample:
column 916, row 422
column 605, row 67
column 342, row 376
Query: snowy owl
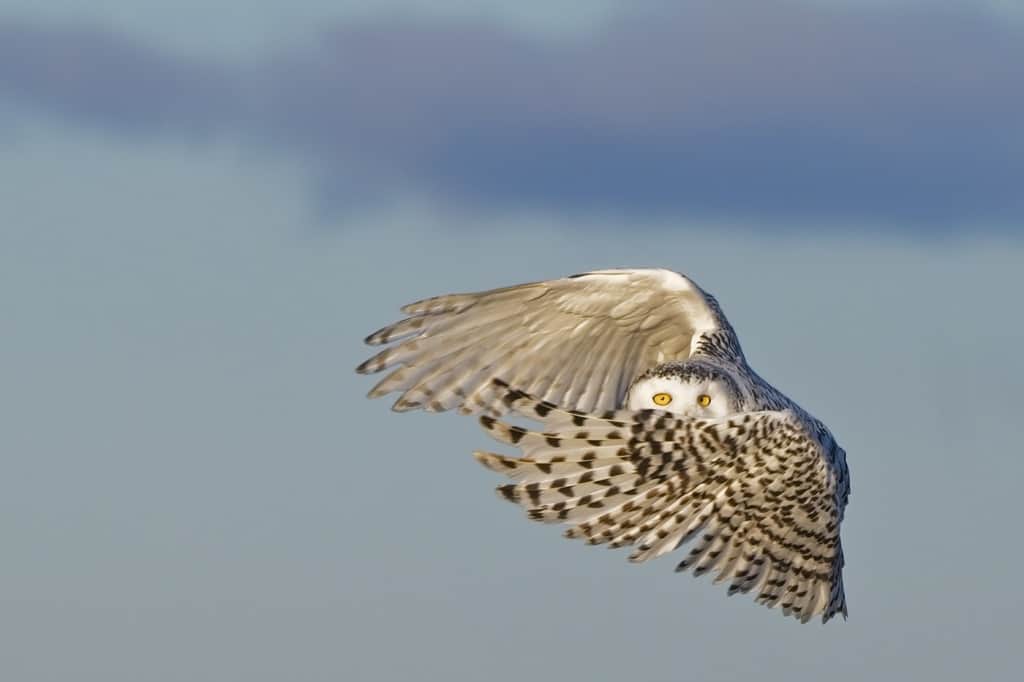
column 655, row 431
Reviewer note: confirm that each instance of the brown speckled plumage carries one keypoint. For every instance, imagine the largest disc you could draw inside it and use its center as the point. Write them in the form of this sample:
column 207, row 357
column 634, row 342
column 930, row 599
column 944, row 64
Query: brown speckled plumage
column 756, row 491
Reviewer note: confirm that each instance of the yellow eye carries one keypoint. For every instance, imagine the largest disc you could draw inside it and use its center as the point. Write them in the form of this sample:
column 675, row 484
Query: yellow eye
column 703, row 400
column 662, row 399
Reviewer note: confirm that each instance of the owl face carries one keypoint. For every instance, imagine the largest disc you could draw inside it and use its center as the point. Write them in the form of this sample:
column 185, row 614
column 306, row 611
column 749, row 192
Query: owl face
column 686, row 389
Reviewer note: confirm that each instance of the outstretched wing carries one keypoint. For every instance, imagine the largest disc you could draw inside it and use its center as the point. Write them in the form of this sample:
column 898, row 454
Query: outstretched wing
column 757, row 496
column 577, row 341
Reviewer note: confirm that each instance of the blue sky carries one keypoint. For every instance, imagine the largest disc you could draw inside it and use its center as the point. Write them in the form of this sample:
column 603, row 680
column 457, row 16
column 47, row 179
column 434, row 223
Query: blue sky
column 193, row 245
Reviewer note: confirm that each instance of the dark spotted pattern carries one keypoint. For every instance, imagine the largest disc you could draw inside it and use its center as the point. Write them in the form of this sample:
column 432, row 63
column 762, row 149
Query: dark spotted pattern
column 757, row 497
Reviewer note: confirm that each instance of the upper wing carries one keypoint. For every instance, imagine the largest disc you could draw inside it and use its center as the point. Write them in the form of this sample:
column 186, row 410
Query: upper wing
column 577, row 341
column 757, row 494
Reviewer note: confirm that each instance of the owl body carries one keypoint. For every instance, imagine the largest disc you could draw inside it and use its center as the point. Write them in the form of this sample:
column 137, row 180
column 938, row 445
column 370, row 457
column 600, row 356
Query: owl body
column 655, row 431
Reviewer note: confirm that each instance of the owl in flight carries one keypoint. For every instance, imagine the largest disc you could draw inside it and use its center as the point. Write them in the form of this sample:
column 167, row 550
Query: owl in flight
column 654, row 433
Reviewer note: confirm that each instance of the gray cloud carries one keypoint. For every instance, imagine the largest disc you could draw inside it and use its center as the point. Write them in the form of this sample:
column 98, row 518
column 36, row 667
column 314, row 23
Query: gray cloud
column 91, row 77
column 723, row 108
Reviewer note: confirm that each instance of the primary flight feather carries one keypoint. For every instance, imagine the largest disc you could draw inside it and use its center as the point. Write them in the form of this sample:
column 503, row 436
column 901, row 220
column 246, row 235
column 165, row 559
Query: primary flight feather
column 654, row 430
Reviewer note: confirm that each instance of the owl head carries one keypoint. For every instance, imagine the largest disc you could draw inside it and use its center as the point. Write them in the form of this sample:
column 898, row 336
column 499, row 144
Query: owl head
column 694, row 388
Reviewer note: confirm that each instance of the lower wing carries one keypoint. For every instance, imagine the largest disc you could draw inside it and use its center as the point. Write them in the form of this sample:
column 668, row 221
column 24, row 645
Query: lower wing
column 753, row 494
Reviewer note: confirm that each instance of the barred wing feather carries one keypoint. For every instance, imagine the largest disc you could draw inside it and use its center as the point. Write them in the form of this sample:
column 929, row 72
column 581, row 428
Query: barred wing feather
column 754, row 494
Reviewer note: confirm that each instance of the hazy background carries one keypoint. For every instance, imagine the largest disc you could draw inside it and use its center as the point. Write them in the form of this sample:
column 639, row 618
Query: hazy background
column 203, row 210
